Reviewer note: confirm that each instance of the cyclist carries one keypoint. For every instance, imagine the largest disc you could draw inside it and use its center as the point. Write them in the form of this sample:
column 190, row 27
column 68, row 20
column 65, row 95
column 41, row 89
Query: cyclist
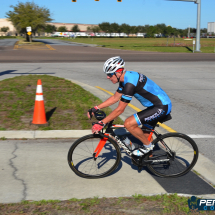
column 150, row 95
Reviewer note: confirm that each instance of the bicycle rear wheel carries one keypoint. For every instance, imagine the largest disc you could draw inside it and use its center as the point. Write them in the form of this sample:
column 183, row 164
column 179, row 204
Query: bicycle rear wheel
column 180, row 160
column 81, row 159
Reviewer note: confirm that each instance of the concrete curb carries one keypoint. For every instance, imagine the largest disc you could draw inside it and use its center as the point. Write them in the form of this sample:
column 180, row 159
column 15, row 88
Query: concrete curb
column 44, row 134
column 85, row 44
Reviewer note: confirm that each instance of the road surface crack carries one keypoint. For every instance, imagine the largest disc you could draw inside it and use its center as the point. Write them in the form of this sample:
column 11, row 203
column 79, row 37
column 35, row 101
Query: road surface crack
column 12, row 164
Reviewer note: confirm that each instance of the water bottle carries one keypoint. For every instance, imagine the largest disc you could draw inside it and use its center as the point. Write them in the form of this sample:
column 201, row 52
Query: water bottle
column 128, row 143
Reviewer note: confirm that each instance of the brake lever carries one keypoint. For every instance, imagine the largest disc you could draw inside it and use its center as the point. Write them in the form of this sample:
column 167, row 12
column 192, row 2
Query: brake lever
column 90, row 112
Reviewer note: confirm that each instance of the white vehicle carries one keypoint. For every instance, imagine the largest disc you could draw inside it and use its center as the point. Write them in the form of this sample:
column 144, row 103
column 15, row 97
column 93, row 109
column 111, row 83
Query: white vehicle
column 140, row 34
column 57, row 34
column 81, row 34
column 123, row 35
column 107, row 35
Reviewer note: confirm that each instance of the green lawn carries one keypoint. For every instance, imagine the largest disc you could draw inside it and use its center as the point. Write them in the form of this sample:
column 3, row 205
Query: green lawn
column 148, row 44
column 66, row 103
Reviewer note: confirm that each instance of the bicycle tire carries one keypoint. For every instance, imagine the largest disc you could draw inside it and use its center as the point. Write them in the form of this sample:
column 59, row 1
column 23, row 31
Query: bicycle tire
column 178, row 165
column 82, row 162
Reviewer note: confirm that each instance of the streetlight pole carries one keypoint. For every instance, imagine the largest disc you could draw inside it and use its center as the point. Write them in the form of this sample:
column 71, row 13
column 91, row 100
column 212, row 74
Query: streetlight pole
column 198, row 46
column 198, row 2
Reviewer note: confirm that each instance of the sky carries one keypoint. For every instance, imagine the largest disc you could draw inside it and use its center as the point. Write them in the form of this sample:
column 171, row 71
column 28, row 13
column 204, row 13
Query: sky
column 178, row 14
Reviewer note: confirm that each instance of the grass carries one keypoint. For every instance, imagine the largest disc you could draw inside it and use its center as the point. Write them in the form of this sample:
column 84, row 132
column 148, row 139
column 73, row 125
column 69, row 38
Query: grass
column 170, row 203
column 23, row 42
column 66, row 103
column 7, row 37
column 180, row 45
column 137, row 204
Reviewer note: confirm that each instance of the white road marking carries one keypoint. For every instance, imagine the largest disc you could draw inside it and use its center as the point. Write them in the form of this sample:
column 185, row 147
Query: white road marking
column 201, row 136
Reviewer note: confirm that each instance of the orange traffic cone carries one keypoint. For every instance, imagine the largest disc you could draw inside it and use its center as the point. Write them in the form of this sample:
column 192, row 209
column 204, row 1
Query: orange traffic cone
column 39, row 117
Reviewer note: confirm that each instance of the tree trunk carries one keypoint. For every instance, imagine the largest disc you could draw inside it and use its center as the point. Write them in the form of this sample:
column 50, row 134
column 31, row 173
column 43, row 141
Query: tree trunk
column 26, row 37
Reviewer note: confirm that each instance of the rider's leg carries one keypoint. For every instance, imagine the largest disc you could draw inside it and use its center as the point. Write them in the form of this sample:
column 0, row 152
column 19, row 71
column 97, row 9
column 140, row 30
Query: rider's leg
column 132, row 126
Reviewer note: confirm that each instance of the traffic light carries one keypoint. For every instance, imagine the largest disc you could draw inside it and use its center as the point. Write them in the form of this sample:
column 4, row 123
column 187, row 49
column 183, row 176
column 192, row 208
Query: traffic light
column 119, row 0
column 73, row 0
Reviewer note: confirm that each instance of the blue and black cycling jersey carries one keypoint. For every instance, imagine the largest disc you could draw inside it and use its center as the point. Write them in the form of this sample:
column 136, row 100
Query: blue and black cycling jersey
column 143, row 89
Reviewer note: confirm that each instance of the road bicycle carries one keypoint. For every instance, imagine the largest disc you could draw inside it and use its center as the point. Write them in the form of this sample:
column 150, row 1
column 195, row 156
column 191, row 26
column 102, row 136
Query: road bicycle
column 98, row 155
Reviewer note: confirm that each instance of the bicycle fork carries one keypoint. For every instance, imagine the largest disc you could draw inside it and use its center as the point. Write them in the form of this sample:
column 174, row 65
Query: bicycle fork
column 100, row 146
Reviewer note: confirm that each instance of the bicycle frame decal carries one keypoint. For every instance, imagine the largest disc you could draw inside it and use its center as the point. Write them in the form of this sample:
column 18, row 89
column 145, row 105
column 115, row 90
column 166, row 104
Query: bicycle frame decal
column 120, row 143
column 158, row 161
column 100, row 145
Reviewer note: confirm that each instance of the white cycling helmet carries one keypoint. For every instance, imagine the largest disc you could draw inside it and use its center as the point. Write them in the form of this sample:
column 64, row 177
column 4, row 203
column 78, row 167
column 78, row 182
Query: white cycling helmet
column 113, row 64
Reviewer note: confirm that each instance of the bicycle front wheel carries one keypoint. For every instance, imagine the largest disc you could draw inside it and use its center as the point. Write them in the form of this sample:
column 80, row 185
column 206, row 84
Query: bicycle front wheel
column 174, row 155
column 82, row 161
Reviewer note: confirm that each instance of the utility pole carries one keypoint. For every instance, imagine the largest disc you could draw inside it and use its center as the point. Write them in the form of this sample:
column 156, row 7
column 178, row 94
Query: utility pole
column 198, row 46
column 188, row 32
column 198, row 2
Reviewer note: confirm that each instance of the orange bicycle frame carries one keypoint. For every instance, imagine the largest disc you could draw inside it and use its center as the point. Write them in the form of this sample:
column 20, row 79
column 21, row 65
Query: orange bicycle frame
column 103, row 141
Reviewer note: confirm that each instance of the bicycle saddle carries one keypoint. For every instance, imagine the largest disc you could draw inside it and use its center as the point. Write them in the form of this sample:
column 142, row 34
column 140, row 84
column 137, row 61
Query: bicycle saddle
column 166, row 118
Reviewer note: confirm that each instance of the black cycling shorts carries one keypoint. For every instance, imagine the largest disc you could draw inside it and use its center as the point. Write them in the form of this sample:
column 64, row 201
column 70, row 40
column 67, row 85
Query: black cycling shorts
column 151, row 115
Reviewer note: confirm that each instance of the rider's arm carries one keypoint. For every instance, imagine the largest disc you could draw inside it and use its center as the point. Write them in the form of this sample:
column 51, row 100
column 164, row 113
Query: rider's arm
column 110, row 101
column 115, row 113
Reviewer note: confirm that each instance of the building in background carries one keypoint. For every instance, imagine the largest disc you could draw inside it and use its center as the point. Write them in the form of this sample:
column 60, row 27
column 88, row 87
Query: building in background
column 211, row 28
column 6, row 23
column 82, row 27
column 12, row 30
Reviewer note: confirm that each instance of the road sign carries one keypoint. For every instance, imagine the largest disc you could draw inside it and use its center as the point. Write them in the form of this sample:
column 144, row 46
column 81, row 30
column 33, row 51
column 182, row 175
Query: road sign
column 29, row 33
column 28, row 29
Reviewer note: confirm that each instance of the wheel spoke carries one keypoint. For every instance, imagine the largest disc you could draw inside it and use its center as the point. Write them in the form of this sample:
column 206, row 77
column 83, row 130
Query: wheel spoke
column 183, row 159
column 83, row 162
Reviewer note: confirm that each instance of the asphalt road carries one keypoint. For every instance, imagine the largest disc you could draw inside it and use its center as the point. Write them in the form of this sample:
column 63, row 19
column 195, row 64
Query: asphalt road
column 84, row 53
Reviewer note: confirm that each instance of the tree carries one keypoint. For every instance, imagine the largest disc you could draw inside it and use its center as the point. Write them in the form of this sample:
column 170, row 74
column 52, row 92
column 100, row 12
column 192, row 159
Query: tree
column 62, row 29
column 134, row 30
column 75, row 28
column 50, row 28
column 115, row 28
column 203, row 30
column 4, row 29
column 105, row 26
column 126, row 28
column 168, row 31
column 151, row 31
column 28, row 14
column 95, row 29
column 160, row 28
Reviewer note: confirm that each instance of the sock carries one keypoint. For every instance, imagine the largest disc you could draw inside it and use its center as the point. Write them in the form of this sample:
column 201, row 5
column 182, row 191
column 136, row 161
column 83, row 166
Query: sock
column 148, row 146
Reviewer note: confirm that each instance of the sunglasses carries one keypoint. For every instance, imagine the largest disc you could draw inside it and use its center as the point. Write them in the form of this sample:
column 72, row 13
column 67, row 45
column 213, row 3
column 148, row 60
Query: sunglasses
column 110, row 75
